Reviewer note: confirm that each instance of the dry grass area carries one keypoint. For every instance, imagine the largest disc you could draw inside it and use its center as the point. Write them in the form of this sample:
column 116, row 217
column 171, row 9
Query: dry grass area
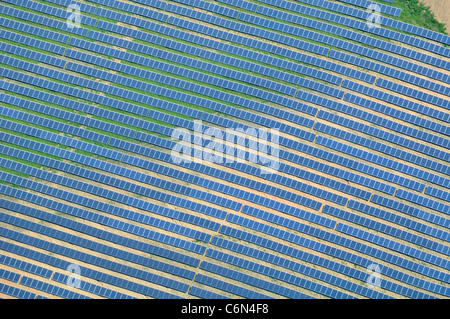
column 441, row 10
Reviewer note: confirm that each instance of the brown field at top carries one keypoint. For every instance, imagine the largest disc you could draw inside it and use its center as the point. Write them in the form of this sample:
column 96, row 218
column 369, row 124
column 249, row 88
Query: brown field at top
column 441, row 10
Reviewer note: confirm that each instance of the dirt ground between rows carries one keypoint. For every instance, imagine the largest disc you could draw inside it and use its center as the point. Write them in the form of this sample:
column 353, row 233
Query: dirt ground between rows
column 441, row 9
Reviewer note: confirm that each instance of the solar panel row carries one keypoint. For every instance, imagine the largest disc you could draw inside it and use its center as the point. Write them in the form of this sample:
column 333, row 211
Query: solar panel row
column 396, row 113
column 404, row 156
column 39, row 285
column 438, row 193
column 284, row 276
column 33, row 30
column 384, row 161
column 341, row 32
column 424, row 201
column 410, row 210
column 235, row 50
column 94, row 289
column 117, row 239
column 338, row 252
column 394, row 99
column 143, row 11
column 228, row 287
column 61, row 278
column 254, row 281
column 348, row 22
column 382, row 121
column 300, row 267
column 86, row 271
column 328, row 40
column 251, row 197
column 53, row 11
column 297, row 253
column 205, row 294
column 382, row 134
column 116, row 116
column 16, row 292
column 42, row 20
column 154, row 3
column 396, row 246
column 9, row 275
column 384, row 8
column 29, row 41
column 407, row 91
column 392, row 72
column 151, row 277
column 250, row 6
column 364, row 15
column 390, row 230
column 84, row 7
column 211, row 7
column 398, row 219
column 147, row 233
column 25, row 266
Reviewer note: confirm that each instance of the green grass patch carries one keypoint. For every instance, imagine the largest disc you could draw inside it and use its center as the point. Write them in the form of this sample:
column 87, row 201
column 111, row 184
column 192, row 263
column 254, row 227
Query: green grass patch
column 416, row 13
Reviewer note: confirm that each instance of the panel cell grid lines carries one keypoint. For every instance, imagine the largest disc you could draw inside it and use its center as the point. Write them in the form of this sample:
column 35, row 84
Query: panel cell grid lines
column 199, row 149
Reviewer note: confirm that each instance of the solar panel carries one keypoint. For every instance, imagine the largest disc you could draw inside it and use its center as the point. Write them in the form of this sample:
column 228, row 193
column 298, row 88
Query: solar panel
column 88, row 175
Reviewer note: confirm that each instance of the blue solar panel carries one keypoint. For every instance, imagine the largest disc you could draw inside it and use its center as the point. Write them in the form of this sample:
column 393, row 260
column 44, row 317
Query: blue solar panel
column 86, row 272
column 348, row 22
column 279, row 63
column 205, row 294
column 157, row 279
column 394, row 112
column 16, row 292
column 39, row 19
column 98, row 205
column 410, row 105
column 390, row 230
column 280, row 275
column 382, row 134
column 228, row 287
column 323, row 248
column 410, row 210
column 88, row 123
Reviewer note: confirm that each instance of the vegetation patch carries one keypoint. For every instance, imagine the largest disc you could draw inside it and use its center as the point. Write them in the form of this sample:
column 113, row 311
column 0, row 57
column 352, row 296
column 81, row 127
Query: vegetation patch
column 416, row 13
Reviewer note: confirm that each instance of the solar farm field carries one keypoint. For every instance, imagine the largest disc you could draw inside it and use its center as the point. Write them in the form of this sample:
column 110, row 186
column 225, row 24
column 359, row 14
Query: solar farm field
column 222, row 149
